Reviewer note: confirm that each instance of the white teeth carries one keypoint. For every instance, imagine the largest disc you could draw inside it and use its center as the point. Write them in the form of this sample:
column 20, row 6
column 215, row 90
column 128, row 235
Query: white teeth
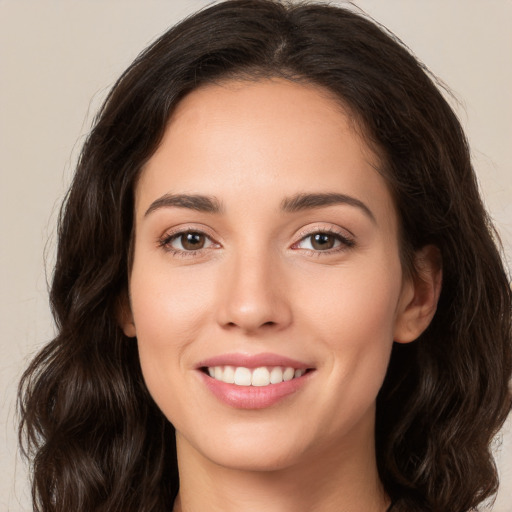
column 229, row 375
column 262, row 376
column 242, row 376
column 288, row 374
column 276, row 375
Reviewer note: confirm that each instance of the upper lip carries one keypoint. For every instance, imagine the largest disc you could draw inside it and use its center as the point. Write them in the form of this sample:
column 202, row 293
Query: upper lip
column 253, row 361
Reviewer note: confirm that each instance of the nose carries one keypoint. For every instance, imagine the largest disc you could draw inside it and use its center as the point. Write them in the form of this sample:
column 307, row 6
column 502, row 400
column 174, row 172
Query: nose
column 254, row 295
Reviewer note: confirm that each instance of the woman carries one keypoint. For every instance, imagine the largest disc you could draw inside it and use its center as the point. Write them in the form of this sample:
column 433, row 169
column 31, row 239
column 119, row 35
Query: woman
column 274, row 283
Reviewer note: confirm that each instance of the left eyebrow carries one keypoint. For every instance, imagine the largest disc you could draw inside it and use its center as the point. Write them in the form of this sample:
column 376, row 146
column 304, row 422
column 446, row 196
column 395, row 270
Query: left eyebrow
column 197, row 202
column 301, row 202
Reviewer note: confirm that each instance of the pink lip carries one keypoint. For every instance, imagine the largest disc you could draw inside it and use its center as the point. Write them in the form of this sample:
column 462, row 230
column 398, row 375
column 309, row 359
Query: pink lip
column 253, row 361
column 252, row 397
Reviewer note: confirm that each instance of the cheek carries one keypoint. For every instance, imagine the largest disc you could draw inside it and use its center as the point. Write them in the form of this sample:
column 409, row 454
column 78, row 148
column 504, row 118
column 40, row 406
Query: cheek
column 356, row 304
column 168, row 307
column 352, row 315
column 169, row 313
column 352, row 322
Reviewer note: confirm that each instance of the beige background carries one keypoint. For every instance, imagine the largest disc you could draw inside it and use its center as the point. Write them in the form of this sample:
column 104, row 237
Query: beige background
column 58, row 59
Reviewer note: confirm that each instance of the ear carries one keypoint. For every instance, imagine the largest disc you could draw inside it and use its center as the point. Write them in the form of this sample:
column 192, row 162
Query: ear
column 419, row 296
column 125, row 316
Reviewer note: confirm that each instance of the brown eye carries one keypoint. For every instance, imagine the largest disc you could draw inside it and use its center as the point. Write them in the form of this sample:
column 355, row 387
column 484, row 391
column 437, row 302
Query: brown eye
column 191, row 241
column 322, row 241
column 186, row 242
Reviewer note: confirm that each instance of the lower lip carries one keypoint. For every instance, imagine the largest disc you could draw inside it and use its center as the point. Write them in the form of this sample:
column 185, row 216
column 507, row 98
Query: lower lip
column 253, row 397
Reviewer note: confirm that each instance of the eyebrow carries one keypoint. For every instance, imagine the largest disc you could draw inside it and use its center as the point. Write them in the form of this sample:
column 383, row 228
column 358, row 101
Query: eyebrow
column 302, row 202
column 296, row 203
column 197, row 202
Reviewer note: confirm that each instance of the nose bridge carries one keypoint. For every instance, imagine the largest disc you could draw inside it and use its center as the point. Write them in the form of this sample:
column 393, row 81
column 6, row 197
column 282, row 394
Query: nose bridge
column 254, row 292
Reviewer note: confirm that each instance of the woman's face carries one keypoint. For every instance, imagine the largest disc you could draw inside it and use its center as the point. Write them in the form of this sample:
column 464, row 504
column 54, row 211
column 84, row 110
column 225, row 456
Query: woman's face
column 265, row 240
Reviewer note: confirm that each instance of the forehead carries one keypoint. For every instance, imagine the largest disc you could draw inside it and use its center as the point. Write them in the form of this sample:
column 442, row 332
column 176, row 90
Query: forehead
column 270, row 105
column 238, row 136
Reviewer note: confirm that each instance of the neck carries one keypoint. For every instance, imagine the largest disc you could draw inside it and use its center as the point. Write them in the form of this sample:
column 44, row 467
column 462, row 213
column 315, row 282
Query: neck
column 340, row 480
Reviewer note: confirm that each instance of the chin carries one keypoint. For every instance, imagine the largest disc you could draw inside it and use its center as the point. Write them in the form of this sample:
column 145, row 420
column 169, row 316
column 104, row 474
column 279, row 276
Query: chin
column 254, row 458
column 251, row 447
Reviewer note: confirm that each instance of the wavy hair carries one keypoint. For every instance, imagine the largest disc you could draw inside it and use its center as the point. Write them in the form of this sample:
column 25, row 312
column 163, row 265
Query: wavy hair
column 96, row 439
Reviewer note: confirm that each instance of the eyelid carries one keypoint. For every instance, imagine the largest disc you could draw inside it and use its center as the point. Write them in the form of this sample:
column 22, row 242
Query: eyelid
column 346, row 238
column 343, row 235
column 164, row 240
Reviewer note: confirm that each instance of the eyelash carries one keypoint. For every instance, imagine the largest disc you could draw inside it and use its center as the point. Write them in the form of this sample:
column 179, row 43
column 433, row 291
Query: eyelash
column 345, row 242
column 166, row 241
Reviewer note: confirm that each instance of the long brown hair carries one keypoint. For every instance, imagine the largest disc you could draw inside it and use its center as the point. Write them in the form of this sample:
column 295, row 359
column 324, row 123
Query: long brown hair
column 96, row 439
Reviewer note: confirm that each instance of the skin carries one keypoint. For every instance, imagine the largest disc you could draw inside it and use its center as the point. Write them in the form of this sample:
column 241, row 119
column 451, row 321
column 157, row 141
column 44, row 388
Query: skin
column 259, row 285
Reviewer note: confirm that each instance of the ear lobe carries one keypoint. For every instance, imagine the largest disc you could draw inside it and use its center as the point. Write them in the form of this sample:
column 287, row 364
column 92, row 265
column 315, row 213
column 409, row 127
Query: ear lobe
column 124, row 316
column 420, row 295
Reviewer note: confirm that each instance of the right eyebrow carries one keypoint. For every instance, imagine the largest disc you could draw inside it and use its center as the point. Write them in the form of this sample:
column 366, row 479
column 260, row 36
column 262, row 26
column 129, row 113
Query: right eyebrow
column 208, row 204
column 301, row 202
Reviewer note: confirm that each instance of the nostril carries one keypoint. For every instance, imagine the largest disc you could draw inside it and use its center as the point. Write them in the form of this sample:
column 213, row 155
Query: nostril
column 265, row 324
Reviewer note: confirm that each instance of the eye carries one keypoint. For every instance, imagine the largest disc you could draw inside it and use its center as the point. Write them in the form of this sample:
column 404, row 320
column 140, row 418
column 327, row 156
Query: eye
column 324, row 241
column 186, row 241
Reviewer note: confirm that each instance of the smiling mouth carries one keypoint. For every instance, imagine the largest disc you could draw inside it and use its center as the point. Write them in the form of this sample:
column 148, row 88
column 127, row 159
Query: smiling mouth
column 258, row 377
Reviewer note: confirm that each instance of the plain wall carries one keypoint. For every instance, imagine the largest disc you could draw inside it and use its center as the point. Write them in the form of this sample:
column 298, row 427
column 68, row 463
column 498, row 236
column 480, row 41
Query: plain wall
column 57, row 61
